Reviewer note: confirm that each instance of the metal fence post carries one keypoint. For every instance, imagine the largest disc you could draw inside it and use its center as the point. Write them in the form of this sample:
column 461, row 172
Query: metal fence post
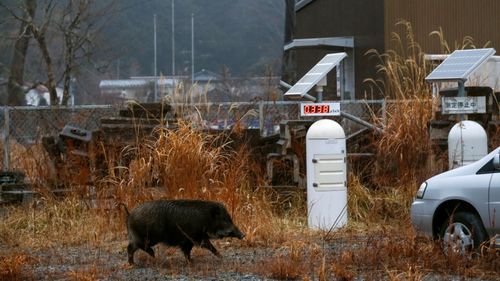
column 6, row 148
column 261, row 117
column 384, row 112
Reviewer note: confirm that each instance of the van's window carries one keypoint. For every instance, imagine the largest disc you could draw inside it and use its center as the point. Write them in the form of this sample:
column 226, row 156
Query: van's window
column 488, row 168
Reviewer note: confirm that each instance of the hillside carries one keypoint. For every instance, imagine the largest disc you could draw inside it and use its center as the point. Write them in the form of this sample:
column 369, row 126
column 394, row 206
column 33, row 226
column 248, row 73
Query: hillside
column 243, row 37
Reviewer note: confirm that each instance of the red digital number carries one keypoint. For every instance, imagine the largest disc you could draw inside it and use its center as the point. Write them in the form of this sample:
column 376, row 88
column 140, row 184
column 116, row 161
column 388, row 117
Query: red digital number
column 316, row 109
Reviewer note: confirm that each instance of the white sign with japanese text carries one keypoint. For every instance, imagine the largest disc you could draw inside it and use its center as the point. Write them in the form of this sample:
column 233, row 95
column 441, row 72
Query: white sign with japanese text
column 463, row 105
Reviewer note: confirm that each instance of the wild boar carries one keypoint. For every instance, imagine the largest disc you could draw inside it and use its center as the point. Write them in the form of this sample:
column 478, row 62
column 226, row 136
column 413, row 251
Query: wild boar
column 180, row 223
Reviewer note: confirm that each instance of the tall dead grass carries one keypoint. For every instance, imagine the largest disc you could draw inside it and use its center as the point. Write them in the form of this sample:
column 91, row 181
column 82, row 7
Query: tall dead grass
column 183, row 163
column 54, row 223
column 189, row 163
column 404, row 148
column 180, row 163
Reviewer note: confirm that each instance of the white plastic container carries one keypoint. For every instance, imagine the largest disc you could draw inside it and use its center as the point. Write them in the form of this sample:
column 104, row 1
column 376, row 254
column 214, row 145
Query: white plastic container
column 326, row 175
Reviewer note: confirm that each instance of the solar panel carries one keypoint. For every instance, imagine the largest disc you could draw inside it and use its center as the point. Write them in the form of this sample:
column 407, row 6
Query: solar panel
column 314, row 76
column 459, row 65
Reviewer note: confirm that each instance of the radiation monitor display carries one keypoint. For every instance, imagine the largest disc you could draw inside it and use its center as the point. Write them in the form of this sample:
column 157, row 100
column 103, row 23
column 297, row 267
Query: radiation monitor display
column 320, row 109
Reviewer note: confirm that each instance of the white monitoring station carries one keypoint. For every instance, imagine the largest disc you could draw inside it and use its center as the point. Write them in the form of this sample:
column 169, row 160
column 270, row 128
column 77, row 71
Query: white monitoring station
column 467, row 140
column 326, row 175
column 325, row 148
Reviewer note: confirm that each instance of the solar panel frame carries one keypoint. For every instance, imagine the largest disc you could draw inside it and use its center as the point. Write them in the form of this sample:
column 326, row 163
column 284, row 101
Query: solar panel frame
column 460, row 64
column 314, row 75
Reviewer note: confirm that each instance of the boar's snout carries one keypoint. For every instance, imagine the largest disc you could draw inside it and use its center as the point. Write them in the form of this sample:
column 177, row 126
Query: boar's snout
column 238, row 234
column 231, row 232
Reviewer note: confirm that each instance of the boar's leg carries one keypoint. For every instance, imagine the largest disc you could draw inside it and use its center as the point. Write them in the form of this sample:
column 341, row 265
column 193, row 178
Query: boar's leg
column 205, row 243
column 186, row 248
column 150, row 251
column 132, row 247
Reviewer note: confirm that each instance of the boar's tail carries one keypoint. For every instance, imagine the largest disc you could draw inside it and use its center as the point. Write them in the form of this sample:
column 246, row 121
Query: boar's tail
column 125, row 207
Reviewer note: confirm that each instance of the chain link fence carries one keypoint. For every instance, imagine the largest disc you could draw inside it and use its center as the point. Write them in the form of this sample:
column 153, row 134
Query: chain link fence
column 26, row 126
column 267, row 116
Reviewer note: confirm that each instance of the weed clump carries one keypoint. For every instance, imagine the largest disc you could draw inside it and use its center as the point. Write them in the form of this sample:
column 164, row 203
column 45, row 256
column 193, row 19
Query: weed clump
column 16, row 267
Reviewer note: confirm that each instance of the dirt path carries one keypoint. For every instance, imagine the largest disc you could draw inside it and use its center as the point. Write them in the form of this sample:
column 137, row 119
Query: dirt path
column 109, row 263
column 291, row 260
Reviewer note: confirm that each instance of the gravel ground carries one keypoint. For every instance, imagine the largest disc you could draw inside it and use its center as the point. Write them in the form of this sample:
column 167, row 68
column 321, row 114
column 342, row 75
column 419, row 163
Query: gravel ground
column 238, row 262
column 88, row 262
column 67, row 263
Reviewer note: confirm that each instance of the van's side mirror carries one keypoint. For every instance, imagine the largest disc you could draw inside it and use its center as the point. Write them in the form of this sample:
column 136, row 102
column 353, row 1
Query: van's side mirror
column 496, row 161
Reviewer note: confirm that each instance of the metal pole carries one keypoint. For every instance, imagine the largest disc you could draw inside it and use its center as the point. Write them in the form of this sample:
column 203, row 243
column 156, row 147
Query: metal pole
column 461, row 93
column 360, row 121
column 155, row 79
column 319, row 93
column 6, row 148
column 384, row 113
column 192, row 49
column 261, row 118
column 340, row 81
column 118, row 69
column 173, row 38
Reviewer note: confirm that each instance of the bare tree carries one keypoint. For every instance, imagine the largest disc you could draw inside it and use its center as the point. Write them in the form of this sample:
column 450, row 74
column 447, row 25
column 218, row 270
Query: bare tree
column 74, row 22
column 74, row 40
column 79, row 26
column 16, row 78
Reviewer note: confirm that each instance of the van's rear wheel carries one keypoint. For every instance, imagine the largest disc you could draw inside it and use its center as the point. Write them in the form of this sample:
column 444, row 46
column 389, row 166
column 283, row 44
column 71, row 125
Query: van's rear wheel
column 463, row 232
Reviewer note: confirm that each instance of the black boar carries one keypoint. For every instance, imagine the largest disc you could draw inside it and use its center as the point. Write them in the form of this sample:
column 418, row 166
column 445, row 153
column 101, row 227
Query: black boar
column 181, row 223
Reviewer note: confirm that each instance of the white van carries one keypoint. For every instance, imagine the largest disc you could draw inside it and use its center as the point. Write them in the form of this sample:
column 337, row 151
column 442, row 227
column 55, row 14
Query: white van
column 461, row 206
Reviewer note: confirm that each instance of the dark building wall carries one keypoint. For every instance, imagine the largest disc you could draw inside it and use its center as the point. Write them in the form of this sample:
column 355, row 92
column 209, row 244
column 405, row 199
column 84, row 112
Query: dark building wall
column 479, row 19
column 362, row 19
column 371, row 22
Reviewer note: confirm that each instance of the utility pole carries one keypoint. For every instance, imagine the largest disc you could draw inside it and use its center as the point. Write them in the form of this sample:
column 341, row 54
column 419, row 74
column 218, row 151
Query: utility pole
column 118, row 69
column 155, row 79
column 173, row 38
column 192, row 49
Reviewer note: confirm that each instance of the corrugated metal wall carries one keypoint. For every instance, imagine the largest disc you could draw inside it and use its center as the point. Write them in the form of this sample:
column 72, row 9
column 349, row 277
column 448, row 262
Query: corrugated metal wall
column 362, row 19
column 371, row 23
column 479, row 19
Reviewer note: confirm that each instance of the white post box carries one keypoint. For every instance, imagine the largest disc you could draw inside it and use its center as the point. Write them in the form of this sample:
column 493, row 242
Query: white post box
column 326, row 175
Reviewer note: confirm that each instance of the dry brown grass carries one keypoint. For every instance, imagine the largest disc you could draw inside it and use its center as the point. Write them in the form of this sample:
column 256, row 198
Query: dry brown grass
column 57, row 223
column 283, row 267
column 404, row 253
column 380, row 206
column 15, row 266
column 387, row 252
column 87, row 274
column 494, row 138
column 404, row 147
